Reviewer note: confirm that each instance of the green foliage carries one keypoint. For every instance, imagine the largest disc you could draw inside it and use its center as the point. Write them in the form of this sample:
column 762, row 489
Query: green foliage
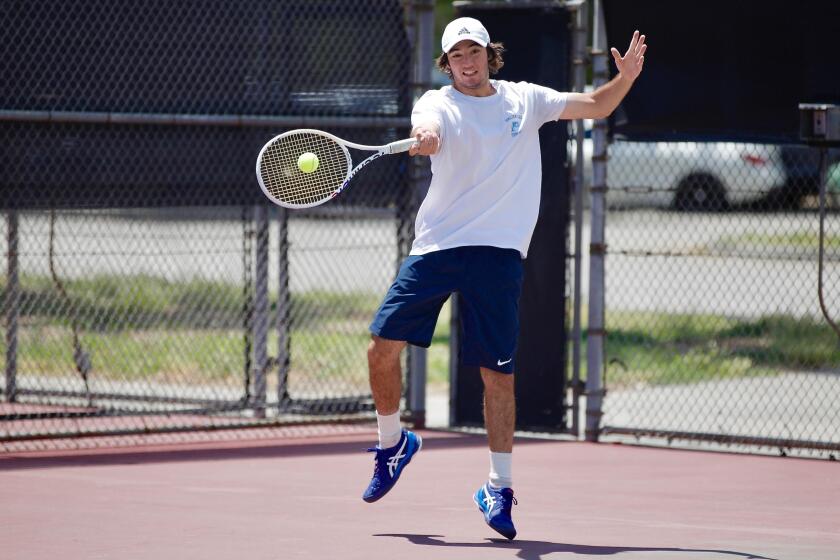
column 444, row 13
column 655, row 348
column 150, row 328
column 146, row 327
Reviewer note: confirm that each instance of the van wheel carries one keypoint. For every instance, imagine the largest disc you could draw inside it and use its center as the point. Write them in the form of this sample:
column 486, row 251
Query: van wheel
column 700, row 193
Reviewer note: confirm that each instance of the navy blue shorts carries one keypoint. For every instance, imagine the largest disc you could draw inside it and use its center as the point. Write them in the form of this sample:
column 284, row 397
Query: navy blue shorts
column 489, row 283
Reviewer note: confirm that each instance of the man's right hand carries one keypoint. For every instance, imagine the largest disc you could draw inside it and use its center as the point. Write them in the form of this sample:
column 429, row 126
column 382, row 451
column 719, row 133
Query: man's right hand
column 428, row 141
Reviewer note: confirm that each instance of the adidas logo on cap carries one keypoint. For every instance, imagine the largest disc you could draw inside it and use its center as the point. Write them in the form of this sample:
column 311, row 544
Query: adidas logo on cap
column 464, row 28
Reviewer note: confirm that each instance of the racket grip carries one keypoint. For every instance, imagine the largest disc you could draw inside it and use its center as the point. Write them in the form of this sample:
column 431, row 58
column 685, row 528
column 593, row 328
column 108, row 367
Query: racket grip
column 401, row 145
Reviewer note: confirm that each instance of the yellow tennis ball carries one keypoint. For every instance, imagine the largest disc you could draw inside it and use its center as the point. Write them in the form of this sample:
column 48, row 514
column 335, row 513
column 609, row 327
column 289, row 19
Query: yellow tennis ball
column 308, row 162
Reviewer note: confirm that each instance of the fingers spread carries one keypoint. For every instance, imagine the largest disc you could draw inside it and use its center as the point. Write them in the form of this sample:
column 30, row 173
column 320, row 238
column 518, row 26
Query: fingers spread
column 633, row 42
column 640, row 46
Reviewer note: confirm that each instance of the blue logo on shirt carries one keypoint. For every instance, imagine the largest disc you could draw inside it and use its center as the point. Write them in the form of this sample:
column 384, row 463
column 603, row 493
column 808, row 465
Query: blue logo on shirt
column 515, row 123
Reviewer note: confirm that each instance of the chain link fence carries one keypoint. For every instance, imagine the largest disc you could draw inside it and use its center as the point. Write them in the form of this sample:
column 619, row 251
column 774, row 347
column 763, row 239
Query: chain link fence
column 715, row 328
column 147, row 285
column 149, row 289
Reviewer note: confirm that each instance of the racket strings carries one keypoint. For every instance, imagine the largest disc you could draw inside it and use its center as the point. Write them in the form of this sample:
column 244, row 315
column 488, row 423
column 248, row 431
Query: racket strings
column 287, row 183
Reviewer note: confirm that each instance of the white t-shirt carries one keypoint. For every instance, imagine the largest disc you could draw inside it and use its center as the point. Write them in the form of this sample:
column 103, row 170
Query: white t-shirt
column 486, row 178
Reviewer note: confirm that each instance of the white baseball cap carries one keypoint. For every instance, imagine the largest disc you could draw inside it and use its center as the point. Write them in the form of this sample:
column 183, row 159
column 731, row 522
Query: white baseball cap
column 461, row 29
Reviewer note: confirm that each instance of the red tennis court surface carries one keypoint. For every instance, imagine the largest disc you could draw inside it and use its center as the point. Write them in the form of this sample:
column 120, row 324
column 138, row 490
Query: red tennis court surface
column 300, row 498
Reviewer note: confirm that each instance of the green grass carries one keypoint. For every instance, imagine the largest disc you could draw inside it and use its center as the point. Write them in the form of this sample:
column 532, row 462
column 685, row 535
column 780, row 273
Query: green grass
column 660, row 349
column 109, row 304
column 437, row 359
column 148, row 328
column 162, row 355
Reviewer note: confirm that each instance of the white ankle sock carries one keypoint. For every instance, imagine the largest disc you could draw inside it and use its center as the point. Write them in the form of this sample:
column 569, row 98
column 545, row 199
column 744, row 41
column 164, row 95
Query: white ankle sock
column 389, row 429
column 501, row 465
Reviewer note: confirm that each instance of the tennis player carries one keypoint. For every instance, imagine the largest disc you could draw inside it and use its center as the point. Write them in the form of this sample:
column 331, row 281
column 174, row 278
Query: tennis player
column 471, row 234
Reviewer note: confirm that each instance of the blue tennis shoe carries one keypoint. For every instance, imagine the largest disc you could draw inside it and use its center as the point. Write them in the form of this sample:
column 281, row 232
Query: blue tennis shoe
column 389, row 464
column 496, row 506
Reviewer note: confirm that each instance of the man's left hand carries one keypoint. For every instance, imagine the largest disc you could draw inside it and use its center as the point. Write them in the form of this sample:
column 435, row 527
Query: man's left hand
column 630, row 65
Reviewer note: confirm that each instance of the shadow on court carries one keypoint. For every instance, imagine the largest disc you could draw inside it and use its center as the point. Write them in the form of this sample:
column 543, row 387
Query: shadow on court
column 536, row 550
column 278, row 449
column 241, row 451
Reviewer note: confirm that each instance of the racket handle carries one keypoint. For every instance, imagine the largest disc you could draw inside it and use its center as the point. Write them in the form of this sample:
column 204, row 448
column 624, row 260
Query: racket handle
column 400, row 146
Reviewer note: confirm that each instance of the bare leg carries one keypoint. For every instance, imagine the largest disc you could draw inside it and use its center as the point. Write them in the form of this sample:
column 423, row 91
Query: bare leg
column 499, row 410
column 385, row 374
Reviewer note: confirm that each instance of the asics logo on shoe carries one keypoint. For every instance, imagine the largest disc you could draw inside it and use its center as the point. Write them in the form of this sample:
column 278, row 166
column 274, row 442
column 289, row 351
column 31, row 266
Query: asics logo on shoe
column 495, row 504
column 488, row 500
column 396, row 457
column 394, row 461
column 501, row 363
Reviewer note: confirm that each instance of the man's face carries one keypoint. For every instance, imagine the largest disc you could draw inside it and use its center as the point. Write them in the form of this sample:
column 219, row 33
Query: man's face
column 470, row 71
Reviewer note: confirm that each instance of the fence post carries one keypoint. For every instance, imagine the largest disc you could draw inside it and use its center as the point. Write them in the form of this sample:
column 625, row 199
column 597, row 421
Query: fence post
column 580, row 63
column 597, row 247
column 423, row 12
column 12, row 307
column 260, row 311
column 283, row 312
column 454, row 355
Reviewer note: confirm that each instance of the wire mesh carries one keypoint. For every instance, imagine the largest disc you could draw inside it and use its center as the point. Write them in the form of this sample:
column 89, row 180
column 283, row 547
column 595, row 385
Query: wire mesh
column 715, row 331
column 148, row 285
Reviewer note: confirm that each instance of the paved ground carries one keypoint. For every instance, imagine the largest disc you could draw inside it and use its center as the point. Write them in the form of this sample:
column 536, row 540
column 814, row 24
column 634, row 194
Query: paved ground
column 794, row 404
column 299, row 498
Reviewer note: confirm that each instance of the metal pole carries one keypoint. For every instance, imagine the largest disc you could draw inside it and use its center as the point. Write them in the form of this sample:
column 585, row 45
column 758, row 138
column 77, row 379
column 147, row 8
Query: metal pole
column 823, row 186
column 171, row 119
column 12, row 307
column 261, row 311
column 454, row 357
column 597, row 246
column 283, row 312
column 417, row 356
column 580, row 62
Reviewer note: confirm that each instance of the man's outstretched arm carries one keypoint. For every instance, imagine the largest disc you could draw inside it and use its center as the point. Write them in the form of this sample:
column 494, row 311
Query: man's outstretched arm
column 600, row 103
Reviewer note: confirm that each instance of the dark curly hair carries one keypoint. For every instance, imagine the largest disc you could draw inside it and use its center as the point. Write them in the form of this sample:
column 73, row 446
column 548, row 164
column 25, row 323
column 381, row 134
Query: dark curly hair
column 494, row 59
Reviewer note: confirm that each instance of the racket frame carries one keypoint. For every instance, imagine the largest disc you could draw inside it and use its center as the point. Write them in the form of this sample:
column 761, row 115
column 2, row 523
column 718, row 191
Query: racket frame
column 386, row 149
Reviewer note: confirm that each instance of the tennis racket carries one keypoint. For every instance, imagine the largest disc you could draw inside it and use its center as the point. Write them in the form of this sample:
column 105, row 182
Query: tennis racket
column 284, row 181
